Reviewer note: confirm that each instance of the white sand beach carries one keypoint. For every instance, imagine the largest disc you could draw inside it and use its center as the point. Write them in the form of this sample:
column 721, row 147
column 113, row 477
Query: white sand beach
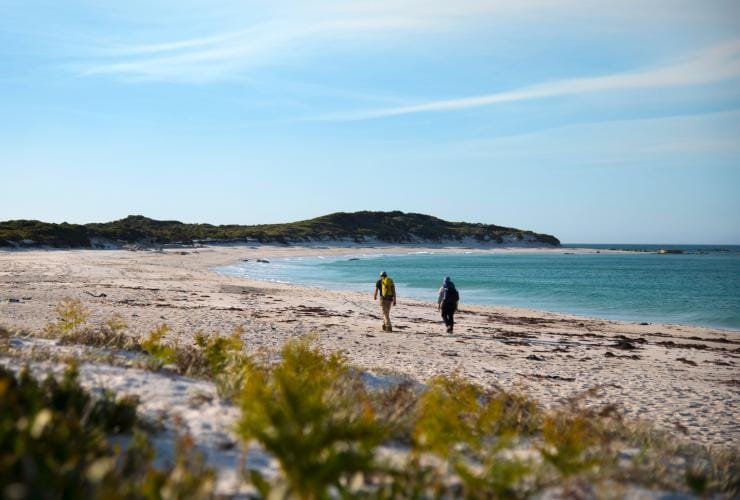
column 682, row 379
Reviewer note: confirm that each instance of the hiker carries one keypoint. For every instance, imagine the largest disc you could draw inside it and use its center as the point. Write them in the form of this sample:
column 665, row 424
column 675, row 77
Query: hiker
column 447, row 302
column 387, row 290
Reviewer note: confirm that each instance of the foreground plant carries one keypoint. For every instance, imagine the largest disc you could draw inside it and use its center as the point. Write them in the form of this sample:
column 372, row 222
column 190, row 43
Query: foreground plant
column 313, row 415
column 54, row 443
column 470, row 429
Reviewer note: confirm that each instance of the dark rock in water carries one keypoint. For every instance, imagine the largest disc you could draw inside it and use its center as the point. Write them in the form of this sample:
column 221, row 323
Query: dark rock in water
column 664, row 251
column 263, row 261
column 353, row 258
column 245, row 260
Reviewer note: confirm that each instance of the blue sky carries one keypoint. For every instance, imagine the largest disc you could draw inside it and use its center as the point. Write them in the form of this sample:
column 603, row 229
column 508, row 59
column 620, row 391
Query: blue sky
column 592, row 122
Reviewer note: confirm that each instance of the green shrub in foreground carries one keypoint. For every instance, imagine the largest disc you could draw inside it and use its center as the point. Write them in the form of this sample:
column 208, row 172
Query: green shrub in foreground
column 313, row 415
column 54, row 444
column 469, row 428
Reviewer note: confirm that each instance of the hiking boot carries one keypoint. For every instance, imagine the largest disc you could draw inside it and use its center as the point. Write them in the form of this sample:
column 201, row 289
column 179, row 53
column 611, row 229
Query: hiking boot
column 390, row 329
column 385, row 328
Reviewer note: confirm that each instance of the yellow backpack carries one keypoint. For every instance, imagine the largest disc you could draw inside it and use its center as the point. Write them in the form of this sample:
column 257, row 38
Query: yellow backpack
column 388, row 288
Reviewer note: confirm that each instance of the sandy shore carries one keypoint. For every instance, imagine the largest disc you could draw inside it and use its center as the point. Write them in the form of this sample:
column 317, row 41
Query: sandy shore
column 681, row 378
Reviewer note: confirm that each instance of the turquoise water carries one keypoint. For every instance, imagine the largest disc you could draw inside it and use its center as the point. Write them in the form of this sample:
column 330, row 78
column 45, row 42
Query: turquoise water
column 700, row 287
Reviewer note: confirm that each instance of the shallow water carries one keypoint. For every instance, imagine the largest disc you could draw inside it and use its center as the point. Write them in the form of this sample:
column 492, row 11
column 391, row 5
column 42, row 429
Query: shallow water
column 700, row 287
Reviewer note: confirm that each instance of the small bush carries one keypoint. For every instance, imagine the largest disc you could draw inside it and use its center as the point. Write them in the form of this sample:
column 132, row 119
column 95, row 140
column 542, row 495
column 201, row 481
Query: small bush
column 226, row 363
column 456, row 413
column 220, row 351
column 131, row 474
column 161, row 353
column 217, row 358
column 54, row 444
column 71, row 327
column 52, row 431
column 112, row 334
column 469, row 428
column 314, row 417
column 396, row 406
column 71, row 317
column 568, row 442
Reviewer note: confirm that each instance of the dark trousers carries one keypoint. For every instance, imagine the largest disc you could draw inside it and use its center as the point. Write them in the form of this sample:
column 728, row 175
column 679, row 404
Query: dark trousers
column 448, row 314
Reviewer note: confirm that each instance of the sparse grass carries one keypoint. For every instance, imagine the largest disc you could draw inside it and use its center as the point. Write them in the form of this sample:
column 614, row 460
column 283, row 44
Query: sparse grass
column 71, row 318
column 217, row 358
column 71, row 327
column 4, row 339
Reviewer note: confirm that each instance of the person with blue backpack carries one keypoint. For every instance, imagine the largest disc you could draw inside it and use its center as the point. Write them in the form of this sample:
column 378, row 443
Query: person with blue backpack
column 447, row 302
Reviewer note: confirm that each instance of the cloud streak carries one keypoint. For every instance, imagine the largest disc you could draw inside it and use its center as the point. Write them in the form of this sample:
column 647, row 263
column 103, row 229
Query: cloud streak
column 286, row 32
column 712, row 65
column 208, row 59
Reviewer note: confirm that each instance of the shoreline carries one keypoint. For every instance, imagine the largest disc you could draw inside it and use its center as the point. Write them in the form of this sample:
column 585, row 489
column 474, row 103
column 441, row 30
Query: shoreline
column 403, row 251
column 682, row 378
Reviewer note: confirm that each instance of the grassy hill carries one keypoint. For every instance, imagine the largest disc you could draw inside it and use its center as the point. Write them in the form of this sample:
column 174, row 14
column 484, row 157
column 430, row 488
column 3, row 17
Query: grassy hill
column 391, row 227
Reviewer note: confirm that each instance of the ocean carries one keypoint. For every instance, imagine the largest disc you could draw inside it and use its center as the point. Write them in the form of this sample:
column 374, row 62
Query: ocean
column 700, row 286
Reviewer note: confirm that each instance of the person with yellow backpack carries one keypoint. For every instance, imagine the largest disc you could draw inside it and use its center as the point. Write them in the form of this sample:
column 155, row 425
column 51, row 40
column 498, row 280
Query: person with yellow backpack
column 387, row 290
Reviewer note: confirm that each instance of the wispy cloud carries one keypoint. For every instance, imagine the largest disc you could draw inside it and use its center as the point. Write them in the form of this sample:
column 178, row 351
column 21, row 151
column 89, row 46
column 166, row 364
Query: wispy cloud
column 275, row 32
column 712, row 65
column 205, row 59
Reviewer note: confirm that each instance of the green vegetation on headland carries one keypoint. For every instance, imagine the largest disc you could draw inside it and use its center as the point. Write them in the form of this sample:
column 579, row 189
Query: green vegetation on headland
column 389, row 227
